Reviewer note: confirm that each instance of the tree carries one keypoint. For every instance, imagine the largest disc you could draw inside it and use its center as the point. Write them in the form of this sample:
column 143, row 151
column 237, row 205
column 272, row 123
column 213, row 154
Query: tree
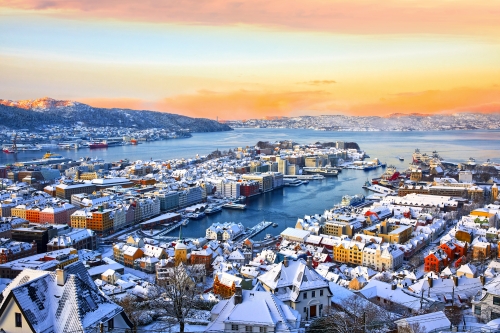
column 355, row 315
column 417, row 260
column 179, row 288
column 412, row 328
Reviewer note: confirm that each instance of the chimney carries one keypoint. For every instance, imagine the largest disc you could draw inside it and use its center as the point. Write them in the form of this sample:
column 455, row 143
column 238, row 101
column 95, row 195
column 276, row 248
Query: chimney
column 238, row 295
column 61, row 276
column 482, row 278
column 285, row 262
column 393, row 286
column 309, row 261
column 455, row 281
column 429, row 281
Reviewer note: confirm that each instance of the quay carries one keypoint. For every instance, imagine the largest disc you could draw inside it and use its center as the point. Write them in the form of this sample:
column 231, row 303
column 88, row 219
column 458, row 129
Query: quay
column 255, row 230
column 304, row 177
column 169, row 229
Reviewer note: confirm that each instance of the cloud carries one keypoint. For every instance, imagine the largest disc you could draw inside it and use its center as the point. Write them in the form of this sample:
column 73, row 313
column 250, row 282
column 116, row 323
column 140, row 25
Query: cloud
column 340, row 16
column 244, row 104
column 433, row 101
column 318, row 82
column 119, row 103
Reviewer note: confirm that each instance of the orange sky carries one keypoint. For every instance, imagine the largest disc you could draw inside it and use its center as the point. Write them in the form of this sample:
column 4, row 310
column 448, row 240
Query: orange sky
column 241, row 60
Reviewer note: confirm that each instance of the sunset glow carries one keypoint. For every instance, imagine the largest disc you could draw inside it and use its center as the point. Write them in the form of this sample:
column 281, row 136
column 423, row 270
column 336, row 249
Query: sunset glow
column 241, row 60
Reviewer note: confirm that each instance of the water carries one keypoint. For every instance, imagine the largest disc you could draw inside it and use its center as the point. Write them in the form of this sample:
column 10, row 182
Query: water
column 286, row 205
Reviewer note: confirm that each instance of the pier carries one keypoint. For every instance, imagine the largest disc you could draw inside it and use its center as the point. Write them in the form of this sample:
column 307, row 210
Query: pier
column 304, row 177
column 255, row 230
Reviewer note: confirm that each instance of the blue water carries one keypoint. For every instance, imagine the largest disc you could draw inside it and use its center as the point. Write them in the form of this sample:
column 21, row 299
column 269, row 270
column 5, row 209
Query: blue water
column 286, row 205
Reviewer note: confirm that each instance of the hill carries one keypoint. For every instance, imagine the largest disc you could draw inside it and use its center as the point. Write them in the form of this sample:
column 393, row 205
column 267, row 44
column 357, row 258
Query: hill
column 47, row 111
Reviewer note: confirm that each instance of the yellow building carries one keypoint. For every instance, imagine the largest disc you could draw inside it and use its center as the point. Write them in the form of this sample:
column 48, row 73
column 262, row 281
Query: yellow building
column 19, row 211
column 390, row 233
column 349, row 252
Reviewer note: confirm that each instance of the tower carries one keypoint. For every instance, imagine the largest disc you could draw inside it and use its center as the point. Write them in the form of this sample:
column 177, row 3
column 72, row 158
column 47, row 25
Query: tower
column 180, row 250
column 494, row 192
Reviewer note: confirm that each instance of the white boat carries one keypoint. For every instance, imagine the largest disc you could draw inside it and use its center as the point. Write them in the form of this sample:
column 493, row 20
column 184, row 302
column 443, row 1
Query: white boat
column 213, row 210
column 291, row 182
column 234, row 206
column 185, row 222
column 268, row 236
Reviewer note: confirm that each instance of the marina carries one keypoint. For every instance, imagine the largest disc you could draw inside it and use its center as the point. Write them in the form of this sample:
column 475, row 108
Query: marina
column 250, row 233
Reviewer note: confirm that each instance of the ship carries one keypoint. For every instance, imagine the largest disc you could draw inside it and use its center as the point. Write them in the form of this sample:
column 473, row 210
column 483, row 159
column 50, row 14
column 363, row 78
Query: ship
column 48, row 158
column 98, row 144
column 185, row 222
column 291, row 182
column 401, row 158
column 196, row 216
column 325, row 171
column 133, row 141
column 213, row 210
column 234, row 206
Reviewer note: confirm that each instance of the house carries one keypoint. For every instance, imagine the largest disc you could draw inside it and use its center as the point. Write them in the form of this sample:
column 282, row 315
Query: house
column 66, row 300
column 254, row 311
column 427, row 323
column 225, row 284
column 487, row 304
column 436, row 261
column 468, row 270
column 393, row 298
column 297, row 284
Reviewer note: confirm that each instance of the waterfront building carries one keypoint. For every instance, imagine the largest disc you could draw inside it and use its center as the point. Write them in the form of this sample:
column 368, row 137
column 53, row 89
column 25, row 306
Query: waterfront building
column 265, row 180
column 224, row 231
column 168, row 200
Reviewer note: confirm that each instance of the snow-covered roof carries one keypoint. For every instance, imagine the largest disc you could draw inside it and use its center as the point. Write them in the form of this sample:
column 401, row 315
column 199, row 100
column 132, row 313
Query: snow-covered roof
column 427, row 322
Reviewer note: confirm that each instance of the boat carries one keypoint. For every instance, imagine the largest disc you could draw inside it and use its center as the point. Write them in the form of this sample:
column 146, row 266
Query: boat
column 185, row 222
column 48, row 158
column 268, row 236
column 133, row 141
column 9, row 150
column 291, row 182
column 213, row 210
column 232, row 205
column 275, row 225
column 368, row 184
column 305, row 181
column 325, row 171
column 195, row 216
column 401, row 158
column 98, row 144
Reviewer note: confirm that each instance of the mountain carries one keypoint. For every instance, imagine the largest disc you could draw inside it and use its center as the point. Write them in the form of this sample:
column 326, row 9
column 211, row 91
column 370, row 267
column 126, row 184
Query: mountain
column 48, row 111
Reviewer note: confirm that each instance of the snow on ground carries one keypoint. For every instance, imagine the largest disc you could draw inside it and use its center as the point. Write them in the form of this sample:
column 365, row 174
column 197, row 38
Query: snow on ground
column 142, row 275
column 175, row 328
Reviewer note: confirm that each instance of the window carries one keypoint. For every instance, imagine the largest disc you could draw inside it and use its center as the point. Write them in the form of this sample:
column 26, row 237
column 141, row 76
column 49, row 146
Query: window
column 248, row 328
column 234, row 327
column 477, row 310
column 313, row 294
column 495, row 315
column 305, row 295
column 263, row 329
column 305, row 309
column 111, row 324
column 19, row 321
column 321, row 292
column 496, row 300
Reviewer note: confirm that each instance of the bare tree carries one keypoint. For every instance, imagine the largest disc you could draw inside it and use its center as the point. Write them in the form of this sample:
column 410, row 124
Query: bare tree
column 412, row 328
column 417, row 260
column 180, row 290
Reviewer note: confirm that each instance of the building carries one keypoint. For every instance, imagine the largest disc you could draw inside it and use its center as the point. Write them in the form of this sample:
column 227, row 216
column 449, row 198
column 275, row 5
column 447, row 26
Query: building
column 75, row 238
column 224, row 231
column 436, row 261
column 39, row 234
column 265, row 180
column 225, row 284
column 65, row 191
column 298, row 285
column 12, row 250
column 254, row 311
column 389, row 232
column 487, row 305
column 66, row 300
column 48, row 261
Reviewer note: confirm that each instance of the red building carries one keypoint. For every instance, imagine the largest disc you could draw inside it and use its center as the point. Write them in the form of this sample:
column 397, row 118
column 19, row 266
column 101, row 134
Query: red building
column 436, row 261
column 450, row 249
column 249, row 188
column 13, row 250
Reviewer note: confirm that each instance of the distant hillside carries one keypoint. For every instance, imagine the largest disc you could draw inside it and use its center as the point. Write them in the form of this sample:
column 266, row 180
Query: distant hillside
column 47, row 111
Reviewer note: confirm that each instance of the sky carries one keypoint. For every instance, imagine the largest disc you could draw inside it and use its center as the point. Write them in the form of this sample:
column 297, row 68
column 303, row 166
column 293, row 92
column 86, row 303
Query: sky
column 253, row 59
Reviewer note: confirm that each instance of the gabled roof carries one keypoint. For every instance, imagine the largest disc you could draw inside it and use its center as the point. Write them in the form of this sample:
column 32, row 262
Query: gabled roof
column 257, row 308
column 48, row 307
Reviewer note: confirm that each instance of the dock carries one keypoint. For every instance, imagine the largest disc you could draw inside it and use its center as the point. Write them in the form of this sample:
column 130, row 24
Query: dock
column 170, row 228
column 381, row 189
column 255, row 230
column 304, row 177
